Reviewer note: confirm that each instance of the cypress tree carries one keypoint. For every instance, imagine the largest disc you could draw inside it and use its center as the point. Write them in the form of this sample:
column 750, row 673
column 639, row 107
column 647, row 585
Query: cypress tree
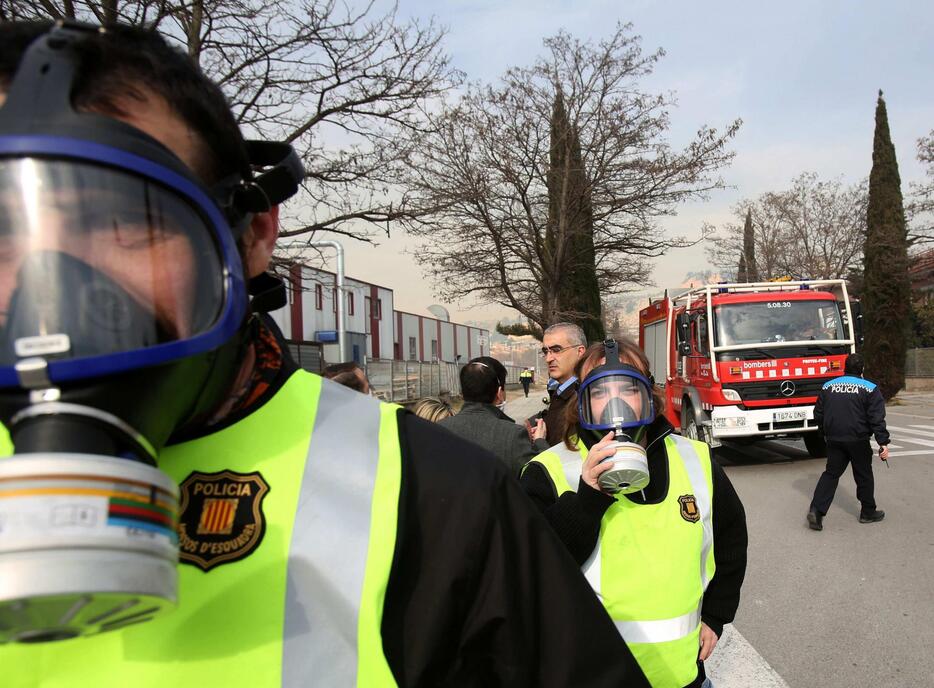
column 570, row 228
column 741, row 273
column 886, row 292
column 749, row 250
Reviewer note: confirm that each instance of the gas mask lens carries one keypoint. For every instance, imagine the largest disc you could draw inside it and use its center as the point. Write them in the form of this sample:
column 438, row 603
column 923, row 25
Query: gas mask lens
column 615, row 400
column 97, row 261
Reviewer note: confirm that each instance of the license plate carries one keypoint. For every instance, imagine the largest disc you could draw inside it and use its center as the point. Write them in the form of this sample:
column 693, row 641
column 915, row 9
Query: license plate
column 785, row 416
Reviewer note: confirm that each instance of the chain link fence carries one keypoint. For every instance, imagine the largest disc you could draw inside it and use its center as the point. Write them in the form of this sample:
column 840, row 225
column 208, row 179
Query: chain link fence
column 919, row 363
column 401, row 381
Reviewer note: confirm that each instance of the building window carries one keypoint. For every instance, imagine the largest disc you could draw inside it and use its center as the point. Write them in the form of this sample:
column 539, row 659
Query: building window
column 319, row 297
column 367, row 312
column 350, row 303
column 412, row 352
column 434, row 349
column 379, row 309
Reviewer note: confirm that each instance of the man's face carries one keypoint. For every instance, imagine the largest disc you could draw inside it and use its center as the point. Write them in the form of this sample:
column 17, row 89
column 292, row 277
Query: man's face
column 154, row 264
column 562, row 357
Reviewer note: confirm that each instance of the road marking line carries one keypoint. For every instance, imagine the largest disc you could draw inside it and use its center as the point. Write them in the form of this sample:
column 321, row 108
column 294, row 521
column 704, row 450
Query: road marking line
column 736, row 664
column 920, row 427
column 919, row 452
column 910, row 436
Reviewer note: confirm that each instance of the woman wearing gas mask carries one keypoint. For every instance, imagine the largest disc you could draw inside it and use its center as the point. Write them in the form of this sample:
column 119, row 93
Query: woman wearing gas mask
column 654, row 522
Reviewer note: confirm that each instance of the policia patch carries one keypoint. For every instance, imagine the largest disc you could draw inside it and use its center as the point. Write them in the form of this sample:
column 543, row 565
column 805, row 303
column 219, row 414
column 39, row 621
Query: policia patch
column 689, row 510
column 220, row 517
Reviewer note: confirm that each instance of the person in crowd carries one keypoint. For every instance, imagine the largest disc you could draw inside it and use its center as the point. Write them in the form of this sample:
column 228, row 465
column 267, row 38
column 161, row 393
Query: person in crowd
column 328, row 539
column 667, row 560
column 482, row 421
column 432, row 409
column 525, row 377
column 563, row 344
column 849, row 410
column 349, row 374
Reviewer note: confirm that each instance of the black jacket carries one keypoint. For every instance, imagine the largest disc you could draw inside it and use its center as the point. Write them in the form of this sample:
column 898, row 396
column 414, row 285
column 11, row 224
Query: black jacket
column 487, row 426
column 850, row 409
column 554, row 415
column 576, row 517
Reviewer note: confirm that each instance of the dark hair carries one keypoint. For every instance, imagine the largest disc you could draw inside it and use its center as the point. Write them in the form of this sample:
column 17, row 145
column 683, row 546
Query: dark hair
column 481, row 378
column 336, row 369
column 125, row 61
column 348, row 374
column 854, row 364
column 629, row 352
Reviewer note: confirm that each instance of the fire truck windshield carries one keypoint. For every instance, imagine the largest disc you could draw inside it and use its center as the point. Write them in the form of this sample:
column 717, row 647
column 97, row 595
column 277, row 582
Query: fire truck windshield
column 777, row 322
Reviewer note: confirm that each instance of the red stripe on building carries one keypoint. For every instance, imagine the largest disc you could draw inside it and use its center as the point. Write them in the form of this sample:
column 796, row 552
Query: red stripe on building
column 421, row 339
column 374, row 320
column 440, row 357
column 295, row 285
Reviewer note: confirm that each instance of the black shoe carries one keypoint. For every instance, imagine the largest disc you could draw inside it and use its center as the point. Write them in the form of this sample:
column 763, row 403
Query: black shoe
column 815, row 520
column 871, row 516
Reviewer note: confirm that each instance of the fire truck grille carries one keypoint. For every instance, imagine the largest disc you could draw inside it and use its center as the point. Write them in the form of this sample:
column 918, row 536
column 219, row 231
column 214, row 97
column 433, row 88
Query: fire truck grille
column 765, row 391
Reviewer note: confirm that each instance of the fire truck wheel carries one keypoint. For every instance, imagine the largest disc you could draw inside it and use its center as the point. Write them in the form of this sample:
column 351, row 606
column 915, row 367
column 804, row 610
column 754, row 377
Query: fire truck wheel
column 689, row 424
column 816, row 445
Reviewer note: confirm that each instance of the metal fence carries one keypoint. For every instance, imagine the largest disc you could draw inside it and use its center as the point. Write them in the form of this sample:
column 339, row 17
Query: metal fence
column 401, row 381
column 308, row 355
column 919, row 363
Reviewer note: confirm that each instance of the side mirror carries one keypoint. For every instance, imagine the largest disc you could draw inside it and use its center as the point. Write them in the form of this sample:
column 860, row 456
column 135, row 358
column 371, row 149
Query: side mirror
column 857, row 310
column 683, row 332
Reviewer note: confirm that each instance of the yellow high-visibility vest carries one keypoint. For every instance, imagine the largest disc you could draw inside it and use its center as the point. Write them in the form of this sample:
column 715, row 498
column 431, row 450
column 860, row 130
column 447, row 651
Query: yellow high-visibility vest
column 653, row 562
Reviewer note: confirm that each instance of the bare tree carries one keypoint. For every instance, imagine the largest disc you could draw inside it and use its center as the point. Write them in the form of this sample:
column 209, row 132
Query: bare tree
column 920, row 208
column 346, row 87
column 484, row 170
column 813, row 230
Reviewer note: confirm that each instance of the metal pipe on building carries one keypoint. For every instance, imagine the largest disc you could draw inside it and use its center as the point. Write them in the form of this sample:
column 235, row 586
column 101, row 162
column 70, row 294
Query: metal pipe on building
column 341, row 305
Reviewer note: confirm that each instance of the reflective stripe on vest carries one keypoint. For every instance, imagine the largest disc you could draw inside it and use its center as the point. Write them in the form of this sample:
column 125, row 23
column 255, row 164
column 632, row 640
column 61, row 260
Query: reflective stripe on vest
column 305, row 608
column 324, row 623
column 659, row 630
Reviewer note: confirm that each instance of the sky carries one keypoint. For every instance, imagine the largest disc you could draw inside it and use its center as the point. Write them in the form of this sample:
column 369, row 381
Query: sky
column 802, row 75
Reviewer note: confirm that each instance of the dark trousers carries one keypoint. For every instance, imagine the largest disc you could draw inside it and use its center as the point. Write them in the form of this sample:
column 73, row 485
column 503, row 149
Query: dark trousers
column 525, row 384
column 839, row 454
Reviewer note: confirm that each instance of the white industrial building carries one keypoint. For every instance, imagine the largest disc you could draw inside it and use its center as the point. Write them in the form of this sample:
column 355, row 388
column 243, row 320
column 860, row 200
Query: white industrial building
column 374, row 329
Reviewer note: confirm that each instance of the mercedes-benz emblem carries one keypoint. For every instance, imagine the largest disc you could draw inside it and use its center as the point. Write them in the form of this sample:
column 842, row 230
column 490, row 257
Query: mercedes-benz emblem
column 787, row 388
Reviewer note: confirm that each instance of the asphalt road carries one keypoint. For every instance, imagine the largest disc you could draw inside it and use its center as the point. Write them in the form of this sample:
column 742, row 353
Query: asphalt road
column 852, row 605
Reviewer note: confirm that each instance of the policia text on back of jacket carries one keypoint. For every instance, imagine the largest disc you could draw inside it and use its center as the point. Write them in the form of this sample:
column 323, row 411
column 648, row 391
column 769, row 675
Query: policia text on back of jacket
column 153, row 414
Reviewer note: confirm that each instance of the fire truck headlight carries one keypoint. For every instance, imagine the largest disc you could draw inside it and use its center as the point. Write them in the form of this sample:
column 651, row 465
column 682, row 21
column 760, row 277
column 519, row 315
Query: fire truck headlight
column 729, row 422
column 731, row 395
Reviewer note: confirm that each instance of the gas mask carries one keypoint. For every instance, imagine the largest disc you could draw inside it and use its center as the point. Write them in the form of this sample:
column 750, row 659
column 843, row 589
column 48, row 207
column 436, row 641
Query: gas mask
column 618, row 397
column 124, row 315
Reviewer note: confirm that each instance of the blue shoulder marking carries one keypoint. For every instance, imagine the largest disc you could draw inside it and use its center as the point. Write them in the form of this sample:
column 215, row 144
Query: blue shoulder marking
column 851, row 380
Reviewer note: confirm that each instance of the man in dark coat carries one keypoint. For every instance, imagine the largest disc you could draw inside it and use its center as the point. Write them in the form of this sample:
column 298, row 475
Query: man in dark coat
column 849, row 409
column 563, row 344
column 482, row 421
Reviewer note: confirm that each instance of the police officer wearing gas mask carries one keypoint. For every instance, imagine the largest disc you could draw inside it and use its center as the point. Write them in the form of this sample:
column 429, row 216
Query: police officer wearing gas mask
column 180, row 504
column 654, row 522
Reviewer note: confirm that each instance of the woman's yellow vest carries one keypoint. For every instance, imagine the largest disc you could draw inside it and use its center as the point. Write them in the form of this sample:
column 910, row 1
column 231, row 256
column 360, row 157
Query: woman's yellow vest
column 653, row 562
column 305, row 607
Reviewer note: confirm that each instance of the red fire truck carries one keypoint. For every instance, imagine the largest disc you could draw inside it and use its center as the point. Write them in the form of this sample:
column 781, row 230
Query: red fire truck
column 746, row 361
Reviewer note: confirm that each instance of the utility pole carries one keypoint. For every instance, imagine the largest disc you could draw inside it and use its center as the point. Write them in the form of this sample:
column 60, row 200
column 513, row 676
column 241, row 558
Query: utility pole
column 339, row 295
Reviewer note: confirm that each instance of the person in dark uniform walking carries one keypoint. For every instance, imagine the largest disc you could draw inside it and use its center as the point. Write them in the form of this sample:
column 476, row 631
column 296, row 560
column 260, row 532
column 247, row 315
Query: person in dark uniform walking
column 848, row 410
column 525, row 377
